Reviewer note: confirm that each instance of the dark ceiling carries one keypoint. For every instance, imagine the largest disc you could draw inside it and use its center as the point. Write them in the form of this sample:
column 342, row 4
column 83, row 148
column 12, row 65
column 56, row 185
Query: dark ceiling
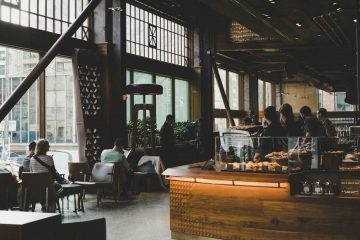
column 311, row 40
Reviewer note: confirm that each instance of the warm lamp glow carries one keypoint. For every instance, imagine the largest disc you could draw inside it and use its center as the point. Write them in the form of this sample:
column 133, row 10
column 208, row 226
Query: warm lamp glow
column 213, row 181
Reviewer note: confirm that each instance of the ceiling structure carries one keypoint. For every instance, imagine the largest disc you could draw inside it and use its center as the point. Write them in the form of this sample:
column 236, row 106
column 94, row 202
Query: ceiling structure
column 283, row 40
column 311, row 41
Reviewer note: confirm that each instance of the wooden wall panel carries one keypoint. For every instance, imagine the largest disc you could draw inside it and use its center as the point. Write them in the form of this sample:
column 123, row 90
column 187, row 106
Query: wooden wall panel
column 236, row 212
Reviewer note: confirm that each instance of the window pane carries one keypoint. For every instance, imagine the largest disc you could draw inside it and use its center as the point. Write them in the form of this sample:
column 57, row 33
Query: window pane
column 128, row 111
column 327, row 100
column 233, row 91
column 341, row 105
column 268, row 94
column 219, row 123
column 246, row 93
column 142, row 78
column 182, row 106
column 261, row 95
column 164, row 101
column 218, row 102
column 59, row 103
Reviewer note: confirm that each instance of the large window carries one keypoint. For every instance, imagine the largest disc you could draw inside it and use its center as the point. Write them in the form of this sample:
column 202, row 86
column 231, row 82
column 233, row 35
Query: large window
column 48, row 15
column 21, row 125
column 174, row 100
column 236, row 86
column 151, row 36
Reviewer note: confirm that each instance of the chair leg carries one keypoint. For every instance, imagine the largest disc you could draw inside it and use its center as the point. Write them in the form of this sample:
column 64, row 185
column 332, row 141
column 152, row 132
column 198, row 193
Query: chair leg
column 25, row 205
column 58, row 206
column 98, row 197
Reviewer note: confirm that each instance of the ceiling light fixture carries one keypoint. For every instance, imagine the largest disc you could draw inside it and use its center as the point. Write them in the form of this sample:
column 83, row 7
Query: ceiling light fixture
column 354, row 20
column 334, row 3
column 297, row 38
column 338, row 9
column 298, row 24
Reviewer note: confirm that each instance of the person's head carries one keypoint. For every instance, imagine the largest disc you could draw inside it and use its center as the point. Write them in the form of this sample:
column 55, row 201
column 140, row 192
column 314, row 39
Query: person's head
column 42, row 147
column 32, row 146
column 286, row 113
column 305, row 112
column 118, row 144
column 270, row 114
column 170, row 119
column 322, row 114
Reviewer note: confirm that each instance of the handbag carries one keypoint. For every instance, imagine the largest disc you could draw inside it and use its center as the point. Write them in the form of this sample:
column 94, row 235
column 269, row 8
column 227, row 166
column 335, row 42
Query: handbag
column 52, row 170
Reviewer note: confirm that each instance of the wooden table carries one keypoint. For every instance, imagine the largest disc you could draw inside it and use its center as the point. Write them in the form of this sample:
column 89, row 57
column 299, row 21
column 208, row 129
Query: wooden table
column 29, row 225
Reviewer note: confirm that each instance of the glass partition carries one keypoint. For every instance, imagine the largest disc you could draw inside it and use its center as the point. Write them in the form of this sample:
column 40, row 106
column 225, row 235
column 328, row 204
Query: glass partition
column 239, row 152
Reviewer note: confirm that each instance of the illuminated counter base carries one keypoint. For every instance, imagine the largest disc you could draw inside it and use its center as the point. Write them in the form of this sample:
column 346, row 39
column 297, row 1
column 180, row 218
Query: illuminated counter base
column 226, row 205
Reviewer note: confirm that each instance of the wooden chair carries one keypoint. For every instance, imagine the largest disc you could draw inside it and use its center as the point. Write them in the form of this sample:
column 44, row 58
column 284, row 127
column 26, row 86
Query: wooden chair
column 79, row 171
column 38, row 187
column 85, row 230
column 5, row 181
column 102, row 178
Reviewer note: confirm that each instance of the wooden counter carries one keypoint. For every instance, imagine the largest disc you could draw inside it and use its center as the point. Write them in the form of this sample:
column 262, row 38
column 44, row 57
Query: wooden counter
column 236, row 205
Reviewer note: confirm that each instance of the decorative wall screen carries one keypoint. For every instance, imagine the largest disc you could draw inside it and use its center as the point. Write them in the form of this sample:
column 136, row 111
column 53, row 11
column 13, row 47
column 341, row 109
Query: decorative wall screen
column 89, row 104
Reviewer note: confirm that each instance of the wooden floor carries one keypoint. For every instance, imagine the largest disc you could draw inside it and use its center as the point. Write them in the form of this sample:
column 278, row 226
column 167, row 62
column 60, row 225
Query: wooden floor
column 146, row 217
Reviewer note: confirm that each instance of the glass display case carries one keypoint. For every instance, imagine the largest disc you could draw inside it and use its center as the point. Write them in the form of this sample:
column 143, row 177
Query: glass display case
column 236, row 152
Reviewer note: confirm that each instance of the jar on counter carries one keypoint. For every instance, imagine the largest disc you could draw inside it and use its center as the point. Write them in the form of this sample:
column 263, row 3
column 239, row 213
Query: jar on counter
column 318, row 188
column 306, row 187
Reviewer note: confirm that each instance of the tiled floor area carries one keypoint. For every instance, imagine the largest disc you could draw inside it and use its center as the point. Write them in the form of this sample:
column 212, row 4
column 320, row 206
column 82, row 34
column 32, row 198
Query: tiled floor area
column 145, row 218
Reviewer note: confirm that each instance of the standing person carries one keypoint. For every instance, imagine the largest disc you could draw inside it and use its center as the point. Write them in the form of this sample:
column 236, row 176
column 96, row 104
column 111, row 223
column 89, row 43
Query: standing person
column 312, row 126
column 329, row 127
column 287, row 119
column 167, row 141
column 26, row 161
column 273, row 129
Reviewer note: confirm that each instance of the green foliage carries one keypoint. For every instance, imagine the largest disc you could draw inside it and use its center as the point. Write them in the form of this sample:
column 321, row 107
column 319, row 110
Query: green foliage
column 185, row 131
column 140, row 133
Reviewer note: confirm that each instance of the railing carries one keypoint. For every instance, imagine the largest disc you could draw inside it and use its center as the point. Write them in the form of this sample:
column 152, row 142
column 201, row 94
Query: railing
column 45, row 61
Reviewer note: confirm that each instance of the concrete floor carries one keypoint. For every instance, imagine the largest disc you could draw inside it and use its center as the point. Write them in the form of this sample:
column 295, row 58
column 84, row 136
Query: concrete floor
column 145, row 218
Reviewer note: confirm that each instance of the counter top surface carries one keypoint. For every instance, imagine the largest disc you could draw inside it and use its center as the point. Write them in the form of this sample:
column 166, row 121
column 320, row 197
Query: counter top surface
column 194, row 171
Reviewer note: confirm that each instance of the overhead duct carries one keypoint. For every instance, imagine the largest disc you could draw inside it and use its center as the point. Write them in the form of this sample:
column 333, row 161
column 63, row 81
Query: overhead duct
column 327, row 23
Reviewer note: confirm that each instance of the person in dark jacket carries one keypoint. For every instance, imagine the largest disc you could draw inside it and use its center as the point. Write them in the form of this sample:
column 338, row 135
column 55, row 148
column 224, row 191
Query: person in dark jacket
column 290, row 124
column 329, row 127
column 273, row 129
column 312, row 126
column 167, row 141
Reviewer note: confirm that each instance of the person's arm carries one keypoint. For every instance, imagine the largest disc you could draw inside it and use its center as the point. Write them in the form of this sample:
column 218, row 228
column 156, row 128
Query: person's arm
column 125, row 163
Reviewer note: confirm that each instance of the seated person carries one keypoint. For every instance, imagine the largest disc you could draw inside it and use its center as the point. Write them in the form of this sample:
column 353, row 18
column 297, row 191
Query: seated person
column 40, row 152
column 273, row 129
column 26, row 161
column 41, row 162
column 116, row 155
